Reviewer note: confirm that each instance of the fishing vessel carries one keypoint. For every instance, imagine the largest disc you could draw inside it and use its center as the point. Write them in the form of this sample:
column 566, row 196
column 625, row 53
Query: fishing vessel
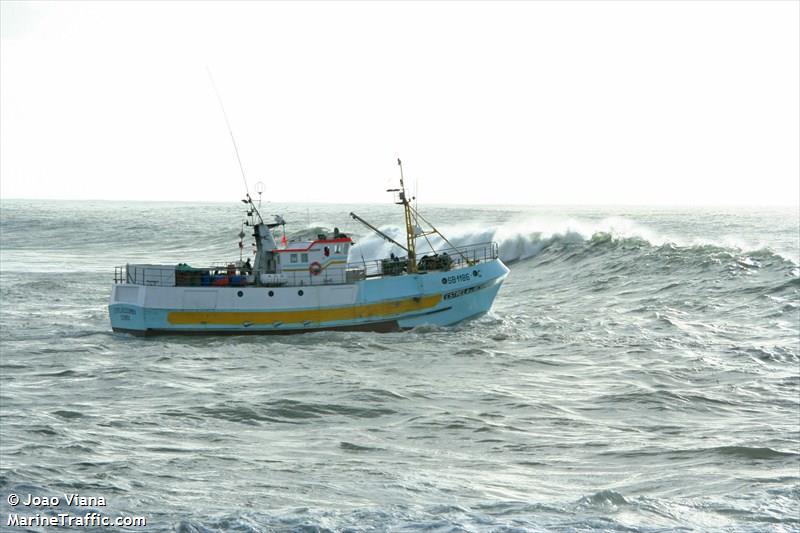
column 311, row 285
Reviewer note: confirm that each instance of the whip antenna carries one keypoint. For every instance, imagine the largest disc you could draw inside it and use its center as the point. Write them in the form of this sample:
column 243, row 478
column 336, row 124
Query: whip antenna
column 227, row 123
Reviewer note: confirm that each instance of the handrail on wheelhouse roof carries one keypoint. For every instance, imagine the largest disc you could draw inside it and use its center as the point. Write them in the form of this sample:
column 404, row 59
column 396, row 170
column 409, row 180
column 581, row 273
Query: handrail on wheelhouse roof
column 317, row 241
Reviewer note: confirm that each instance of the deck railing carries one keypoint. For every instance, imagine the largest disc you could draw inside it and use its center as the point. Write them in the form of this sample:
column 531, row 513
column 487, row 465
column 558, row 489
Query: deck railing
column 231, row 275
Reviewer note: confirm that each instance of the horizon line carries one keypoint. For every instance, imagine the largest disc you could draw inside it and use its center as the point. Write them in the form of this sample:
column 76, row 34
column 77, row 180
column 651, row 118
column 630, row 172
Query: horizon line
column 435, row 204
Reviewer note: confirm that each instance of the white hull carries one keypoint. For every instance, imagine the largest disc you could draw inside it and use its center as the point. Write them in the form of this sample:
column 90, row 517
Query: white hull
column 378, row 304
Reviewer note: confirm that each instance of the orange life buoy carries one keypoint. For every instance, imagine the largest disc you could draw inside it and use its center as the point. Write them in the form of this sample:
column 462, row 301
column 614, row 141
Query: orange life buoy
column 315, row 268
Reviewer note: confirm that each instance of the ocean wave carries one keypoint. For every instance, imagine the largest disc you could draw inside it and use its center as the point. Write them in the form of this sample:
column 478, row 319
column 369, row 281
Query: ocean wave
column 571, row 240
column 604, row 498
column 627, row 380
column 288, row 411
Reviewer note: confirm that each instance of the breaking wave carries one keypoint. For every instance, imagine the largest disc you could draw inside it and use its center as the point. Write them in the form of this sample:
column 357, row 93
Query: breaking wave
column 527, row 239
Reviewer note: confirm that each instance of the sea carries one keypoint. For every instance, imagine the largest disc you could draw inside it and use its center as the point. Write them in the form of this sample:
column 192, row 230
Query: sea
column 639, row 371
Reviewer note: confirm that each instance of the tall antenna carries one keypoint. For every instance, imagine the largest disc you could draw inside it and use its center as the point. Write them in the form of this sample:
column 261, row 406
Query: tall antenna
column 235, row 148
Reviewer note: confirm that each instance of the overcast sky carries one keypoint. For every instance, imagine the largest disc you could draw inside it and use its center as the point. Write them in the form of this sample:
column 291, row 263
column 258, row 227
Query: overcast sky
column 678, row 103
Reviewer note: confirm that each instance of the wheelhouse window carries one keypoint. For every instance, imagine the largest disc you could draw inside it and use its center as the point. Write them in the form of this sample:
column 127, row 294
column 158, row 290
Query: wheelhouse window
column 304, row 258
column 293, row 258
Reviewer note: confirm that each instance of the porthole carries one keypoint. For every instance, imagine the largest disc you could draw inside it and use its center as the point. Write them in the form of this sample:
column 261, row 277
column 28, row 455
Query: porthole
column 271, row 293
column 300, row 292
column 444, row 281
column 474, row 273
column 240, row 294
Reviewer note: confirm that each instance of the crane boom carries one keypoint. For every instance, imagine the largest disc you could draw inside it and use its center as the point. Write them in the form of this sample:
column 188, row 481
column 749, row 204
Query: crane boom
column 379, row 232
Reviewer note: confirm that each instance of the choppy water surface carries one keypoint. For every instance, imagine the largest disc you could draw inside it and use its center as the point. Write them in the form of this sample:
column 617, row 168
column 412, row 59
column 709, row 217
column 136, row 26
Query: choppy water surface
column 640, row 371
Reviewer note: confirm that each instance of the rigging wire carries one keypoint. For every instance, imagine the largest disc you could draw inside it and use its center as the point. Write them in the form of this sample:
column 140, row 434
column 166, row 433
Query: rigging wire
column 442, row 236
column 416, row 216
column 230, row 130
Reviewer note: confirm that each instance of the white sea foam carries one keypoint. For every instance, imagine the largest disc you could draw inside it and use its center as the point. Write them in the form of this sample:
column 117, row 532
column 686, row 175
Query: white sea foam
column 525, row 238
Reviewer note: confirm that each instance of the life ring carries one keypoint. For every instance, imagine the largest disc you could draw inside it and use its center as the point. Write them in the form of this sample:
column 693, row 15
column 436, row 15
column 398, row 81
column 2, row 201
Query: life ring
column 315, row 268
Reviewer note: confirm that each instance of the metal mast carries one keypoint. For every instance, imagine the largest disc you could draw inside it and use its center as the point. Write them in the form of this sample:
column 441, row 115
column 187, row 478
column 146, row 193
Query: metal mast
column 411, row 236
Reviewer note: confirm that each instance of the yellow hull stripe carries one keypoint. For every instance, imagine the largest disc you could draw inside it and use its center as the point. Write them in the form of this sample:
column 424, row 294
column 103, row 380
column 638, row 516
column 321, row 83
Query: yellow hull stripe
column 333, row 314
